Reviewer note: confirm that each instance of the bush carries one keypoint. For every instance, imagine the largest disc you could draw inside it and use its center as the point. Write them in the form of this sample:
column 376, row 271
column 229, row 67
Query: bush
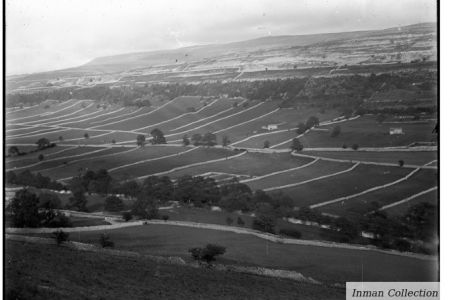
column 229, row 221
column 208, row 253
column 264, row 223
column 240, row 221
column 291, row 233
column 105, row 241
column 165, row 217
column 344, row 146
column 113, row 203
column 355, row 146
column 336, row 131
column 401, row 162
column 127, row 216
column 60, row 236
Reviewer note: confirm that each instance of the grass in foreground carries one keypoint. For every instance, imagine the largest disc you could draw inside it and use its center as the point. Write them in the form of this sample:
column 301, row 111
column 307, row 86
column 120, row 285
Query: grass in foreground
column 49, row 272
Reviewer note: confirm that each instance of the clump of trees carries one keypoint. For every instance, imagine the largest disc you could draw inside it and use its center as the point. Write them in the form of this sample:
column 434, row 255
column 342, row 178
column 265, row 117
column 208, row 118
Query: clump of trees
column 113, row 203
column 296, row 145
column 26, row 178
column 208, row 139
column 157, row 136
column 27, row 209
column 208, row 253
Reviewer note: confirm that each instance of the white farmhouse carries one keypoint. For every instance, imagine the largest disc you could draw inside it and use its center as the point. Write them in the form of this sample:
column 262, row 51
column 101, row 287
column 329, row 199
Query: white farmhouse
column 397, row 130
column 270, row 127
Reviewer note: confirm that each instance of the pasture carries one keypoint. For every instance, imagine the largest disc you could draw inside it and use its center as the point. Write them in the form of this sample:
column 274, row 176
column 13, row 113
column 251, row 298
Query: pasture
column 321, row 263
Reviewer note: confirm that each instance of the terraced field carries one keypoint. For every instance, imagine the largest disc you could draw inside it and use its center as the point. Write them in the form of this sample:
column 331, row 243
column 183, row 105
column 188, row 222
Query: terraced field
column 309, row 180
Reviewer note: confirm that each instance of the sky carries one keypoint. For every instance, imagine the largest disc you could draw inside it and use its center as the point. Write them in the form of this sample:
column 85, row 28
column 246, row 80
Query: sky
column 44, row 35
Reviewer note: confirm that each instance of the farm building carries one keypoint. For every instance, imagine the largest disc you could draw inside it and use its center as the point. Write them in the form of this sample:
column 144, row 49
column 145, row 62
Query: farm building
column 393, row 131
column 270, row 127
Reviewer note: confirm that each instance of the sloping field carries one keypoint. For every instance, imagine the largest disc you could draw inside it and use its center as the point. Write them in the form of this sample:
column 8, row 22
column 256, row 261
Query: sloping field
column 53, row 273
column 409, row 158
column 53, row 136
column 48, row 152
column 361, row 178
column 164, row 112
column 108, row 137
column 251, row 164
column 191, row 156
column 273, row 138
column 68, row 152
column 215, row 109
column 320, row 263
column 248, row 114
column 76, row 109
column 430, row 197
column 125, row 114
column 85, row 120
column 366, row 132
column 420, row 181
column 124, row 156
column 40, row 109
column 318, row 168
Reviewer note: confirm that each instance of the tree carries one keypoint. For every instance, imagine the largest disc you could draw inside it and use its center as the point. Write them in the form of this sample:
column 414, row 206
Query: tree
column 264, row 223
column 13, row 151
column 422, row 218
column 41, row 157
column 140, row 140
column 380, row 118
column 311, row 122
column 296, row 145
column 105, row 241
column 78, row 200
column 43, row 143
column 207, row 253
column 145, row 208
column 127, row 216
column 240, row 222
column 266, row 144
column 113, row 141
column 401, row 163
column 113, row 203
column 229, row 221
column 60, row 236
column 86, row 135
column 209, row 139
column 196, row 139
column 355, row 147
column 336, row 131
column 24, row 209
column 49, row 201
column 301, row 128
column 158, row 136
column 60, row 138
column 186, row 141
column 165, row 217
column 225, row 141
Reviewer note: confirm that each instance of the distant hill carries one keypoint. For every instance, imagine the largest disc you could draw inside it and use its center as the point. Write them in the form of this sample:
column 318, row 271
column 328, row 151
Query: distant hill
column 393, row 45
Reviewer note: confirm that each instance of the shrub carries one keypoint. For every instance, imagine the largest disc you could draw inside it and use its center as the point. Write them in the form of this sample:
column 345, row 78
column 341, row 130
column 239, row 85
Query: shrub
column 240, row 221
column 291, row 233
column 336, row 131
column 60, row 236
column 165, row 217
column 113, row 203
column 355, row 146
column 401, row 162
column 266, row 144
column 229, row 220
column 105, row 241
column 127, row 216
column 344, row 146
column 264, row 223
column 208, row 253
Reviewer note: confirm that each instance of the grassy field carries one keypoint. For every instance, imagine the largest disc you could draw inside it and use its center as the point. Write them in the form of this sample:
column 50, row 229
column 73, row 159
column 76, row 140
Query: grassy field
column 54, row 136
column 69, row 274
column 366, row 132
column 251, row 164
column 357, row 180
column 431, row 197
column 410, row 158
column 61, row 162
column 195, row 156
column 96, row 162
column 319, row 168
column 420, row 181
column 321, row 263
